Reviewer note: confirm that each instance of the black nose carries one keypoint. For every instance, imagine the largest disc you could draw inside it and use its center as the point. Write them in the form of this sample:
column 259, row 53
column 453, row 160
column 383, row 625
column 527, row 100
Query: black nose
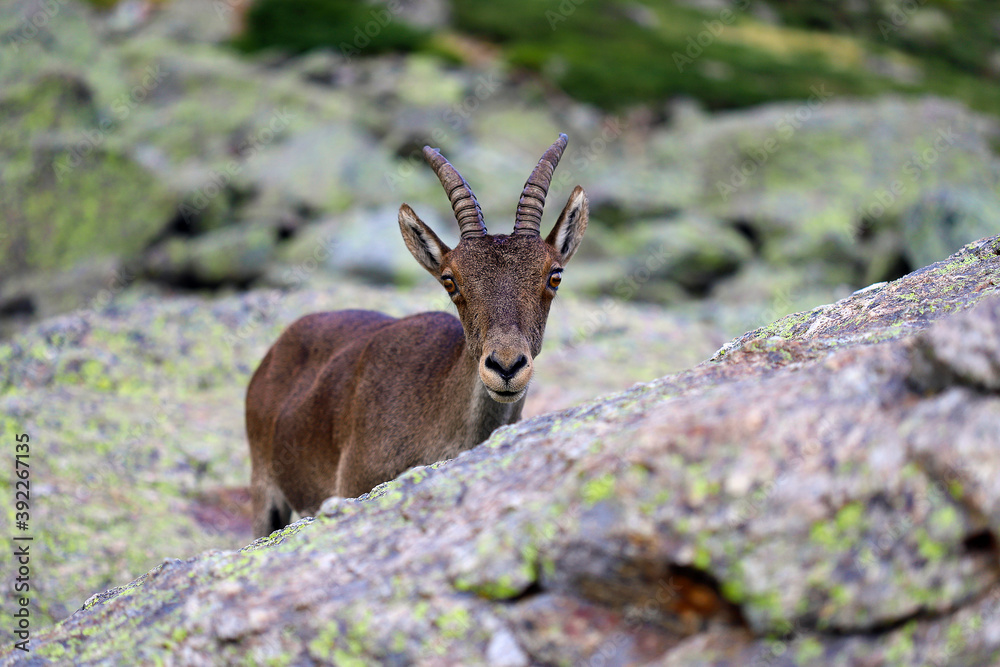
column 494, row 365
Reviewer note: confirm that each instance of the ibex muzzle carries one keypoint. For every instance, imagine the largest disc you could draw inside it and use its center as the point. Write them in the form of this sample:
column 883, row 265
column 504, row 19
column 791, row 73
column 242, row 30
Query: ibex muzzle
column 344, row 401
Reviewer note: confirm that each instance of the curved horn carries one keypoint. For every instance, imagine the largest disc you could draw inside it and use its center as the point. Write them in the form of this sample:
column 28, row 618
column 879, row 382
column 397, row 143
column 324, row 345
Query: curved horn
column 463, row 202
column 529, row 208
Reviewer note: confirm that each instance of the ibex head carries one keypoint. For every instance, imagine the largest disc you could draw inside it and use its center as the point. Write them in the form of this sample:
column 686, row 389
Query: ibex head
column 501, row 284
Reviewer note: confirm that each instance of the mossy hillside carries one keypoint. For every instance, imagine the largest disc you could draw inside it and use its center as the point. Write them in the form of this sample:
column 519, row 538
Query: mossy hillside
column 738, row 63
column 653, row 51
column 927, row 29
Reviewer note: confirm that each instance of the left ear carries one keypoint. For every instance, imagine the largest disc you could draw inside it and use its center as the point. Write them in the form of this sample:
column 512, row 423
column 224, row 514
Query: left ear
column 422, row 242
column 565, row 237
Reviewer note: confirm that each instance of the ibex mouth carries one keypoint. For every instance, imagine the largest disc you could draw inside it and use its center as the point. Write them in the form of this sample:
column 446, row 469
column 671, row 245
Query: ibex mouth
column 506, row 396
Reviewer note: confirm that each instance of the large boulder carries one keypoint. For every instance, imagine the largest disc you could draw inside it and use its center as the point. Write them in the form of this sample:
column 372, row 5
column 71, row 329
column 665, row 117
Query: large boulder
column 824, row 491
column 67, row 193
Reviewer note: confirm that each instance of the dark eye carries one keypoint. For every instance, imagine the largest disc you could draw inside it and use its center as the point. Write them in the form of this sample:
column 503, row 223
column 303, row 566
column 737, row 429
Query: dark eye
column 449, row 284
column 555, row 279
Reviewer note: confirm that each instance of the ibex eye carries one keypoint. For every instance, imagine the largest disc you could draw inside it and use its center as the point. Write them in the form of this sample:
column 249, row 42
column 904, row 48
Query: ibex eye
column 449, row 284
column 555, row 279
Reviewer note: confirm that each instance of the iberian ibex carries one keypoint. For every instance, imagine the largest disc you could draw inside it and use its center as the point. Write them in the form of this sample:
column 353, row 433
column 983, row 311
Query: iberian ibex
column 346, row 400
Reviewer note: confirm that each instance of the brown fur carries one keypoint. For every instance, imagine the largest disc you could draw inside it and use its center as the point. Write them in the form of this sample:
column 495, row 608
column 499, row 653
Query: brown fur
column 346, row 400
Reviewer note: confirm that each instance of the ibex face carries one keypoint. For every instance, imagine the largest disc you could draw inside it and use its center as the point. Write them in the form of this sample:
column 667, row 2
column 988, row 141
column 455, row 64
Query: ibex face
column 502, row 285
column 346, row 400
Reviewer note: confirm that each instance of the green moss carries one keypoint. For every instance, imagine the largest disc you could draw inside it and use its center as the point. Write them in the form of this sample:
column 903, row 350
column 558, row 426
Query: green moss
column 808, row 649
column 324, row 643
column 420, row 610
column 929, row 548
column 824, row 533
column 956, row 636
column 788, row 326
column 548, row 567
column 702, row 488
column 900, row 647
column 344, row 659
column 52, row 651
column 733, row 590
column 597, row 489
column 502, row 588
column 702, row 557
column 106, row 205
column 944, row 519
column 454, row 623
column 850, row 516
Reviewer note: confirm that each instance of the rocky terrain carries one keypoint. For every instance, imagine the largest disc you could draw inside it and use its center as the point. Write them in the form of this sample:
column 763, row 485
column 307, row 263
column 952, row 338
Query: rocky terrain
column 181, row 179
column 823, row 491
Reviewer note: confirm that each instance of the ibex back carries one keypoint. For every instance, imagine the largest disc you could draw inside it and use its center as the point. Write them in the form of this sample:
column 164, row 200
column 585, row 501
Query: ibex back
column 346, row 400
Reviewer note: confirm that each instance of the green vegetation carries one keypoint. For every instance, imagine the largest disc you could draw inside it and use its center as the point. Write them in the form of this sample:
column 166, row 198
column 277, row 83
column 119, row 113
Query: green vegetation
column 656, row 50
column 615, row 54
column 352, row 28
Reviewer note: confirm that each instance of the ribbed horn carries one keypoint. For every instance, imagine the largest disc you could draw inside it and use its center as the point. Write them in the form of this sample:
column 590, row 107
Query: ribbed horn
column 463, row 202
column 532, row 202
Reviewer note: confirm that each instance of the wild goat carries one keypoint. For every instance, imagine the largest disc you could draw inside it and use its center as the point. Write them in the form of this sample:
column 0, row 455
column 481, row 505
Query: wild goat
column 346, row 400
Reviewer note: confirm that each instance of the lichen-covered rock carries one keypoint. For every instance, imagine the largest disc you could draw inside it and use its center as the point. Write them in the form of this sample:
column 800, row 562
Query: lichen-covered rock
column 804, row 498
column 68, row 196
column 829, row 180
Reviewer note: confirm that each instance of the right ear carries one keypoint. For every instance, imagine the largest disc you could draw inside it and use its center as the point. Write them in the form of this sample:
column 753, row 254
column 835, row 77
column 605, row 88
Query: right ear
column 565, row 237
column 424, row 244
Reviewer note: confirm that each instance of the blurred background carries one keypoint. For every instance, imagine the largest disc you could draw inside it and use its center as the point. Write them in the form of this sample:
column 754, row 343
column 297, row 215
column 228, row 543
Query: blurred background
column 180, row 179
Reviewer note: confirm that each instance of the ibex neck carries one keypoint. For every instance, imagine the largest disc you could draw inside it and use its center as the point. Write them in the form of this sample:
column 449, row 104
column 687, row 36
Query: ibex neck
column 484, row 415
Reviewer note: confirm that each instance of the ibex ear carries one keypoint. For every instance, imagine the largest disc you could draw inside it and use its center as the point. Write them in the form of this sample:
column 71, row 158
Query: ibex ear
column 565, row 237
column 424, row 244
